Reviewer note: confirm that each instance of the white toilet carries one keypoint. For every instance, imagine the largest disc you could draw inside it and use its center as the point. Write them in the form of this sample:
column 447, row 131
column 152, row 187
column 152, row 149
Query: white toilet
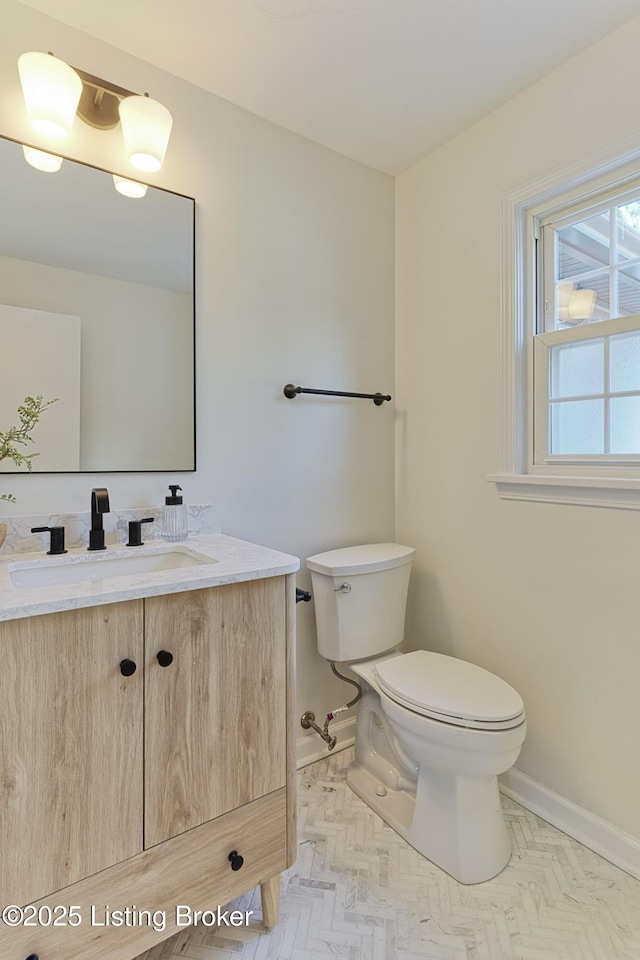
column 432, row 732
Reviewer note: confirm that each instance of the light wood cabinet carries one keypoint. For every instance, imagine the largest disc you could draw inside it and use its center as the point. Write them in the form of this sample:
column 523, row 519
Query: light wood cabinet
column 70, row 748
column 215, row 716
column 133, row 790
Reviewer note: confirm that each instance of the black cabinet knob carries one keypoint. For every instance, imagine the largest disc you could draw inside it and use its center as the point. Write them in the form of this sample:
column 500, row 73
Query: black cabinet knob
column 236, row 860
column 127, row 668
column 32, row 956
column 165, row 659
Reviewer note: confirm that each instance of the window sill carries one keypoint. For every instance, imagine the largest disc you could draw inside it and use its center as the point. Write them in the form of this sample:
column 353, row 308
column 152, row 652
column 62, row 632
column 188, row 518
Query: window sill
column 579, row 491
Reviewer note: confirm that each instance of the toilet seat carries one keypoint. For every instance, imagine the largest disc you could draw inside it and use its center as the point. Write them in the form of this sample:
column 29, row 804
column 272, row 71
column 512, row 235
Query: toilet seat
column 449, row 690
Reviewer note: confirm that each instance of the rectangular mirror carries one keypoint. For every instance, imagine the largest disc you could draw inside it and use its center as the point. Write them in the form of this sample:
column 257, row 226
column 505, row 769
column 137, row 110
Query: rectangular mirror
column 96, row 309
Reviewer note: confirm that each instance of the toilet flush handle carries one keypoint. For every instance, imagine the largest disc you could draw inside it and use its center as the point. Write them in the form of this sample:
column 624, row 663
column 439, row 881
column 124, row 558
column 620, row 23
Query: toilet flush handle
column 343, row 588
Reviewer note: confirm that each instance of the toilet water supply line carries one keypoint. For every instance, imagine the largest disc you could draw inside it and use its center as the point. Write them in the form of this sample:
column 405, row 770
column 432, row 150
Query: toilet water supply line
column 308, row 718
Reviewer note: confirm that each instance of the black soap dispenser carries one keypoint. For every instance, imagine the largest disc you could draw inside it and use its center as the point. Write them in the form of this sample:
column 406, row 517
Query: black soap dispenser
column 174, row 517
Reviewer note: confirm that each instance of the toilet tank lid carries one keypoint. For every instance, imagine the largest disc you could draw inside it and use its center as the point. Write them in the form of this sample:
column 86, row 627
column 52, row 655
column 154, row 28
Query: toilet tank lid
column 367, row 558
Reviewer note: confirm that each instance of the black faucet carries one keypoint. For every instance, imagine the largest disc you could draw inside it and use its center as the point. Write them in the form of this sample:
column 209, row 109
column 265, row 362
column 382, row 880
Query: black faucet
column 99, row 505
column 135, row 532
column 57, row 539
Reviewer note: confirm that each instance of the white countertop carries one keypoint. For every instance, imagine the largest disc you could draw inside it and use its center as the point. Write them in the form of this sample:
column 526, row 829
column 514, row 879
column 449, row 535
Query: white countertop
column 236, row 561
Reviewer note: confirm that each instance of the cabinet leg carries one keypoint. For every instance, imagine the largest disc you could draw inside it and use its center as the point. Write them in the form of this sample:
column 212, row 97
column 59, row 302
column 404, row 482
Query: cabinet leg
column 270, row 894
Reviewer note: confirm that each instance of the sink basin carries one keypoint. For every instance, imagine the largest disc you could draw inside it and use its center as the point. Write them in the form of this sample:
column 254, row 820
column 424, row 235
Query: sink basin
column 85, row 569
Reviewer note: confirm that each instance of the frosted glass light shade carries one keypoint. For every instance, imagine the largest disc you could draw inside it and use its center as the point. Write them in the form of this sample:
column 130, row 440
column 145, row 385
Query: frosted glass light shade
column 581, row 304
column 41, row 160
column 129, row 188
column 51, row 90
column 146, row 127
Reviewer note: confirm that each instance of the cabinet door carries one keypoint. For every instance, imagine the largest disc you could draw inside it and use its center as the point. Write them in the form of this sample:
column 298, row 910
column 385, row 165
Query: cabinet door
column 70, row 747
column 215, row 717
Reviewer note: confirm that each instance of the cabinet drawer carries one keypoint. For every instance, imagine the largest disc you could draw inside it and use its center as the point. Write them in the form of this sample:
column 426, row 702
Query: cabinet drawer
column 191, row 870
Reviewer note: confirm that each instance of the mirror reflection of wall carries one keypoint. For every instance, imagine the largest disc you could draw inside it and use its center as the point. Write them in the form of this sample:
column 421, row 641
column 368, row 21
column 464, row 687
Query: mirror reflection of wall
column 51, row 342
column 71, row 245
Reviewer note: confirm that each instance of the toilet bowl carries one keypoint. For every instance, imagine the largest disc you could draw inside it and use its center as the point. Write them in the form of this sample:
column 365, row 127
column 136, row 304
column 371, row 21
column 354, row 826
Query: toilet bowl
column 432, row 732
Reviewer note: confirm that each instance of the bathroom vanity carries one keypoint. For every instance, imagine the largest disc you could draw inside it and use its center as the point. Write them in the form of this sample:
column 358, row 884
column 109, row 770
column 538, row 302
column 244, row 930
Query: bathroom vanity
column 147, row 752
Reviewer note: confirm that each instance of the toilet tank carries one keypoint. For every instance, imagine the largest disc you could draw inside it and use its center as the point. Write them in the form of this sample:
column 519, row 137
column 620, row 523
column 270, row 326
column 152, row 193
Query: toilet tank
column 360, row 595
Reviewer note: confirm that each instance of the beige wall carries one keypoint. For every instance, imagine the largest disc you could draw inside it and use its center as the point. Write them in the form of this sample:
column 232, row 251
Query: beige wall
column 545, row 595
column 294, row 283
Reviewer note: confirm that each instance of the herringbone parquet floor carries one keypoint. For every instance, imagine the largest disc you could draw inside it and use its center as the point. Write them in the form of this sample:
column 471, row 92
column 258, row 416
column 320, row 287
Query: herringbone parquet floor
column 358, row 891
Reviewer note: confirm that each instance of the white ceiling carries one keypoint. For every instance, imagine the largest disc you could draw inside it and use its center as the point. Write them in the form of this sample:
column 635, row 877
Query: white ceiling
column 382, row 81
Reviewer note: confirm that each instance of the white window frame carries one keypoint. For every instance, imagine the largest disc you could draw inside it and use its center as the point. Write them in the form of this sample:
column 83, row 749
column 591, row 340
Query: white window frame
column 564, row 479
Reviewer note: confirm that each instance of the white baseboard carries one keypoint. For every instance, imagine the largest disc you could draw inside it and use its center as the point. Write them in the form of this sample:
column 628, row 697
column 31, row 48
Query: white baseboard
column 600, row 836
column 310, row 747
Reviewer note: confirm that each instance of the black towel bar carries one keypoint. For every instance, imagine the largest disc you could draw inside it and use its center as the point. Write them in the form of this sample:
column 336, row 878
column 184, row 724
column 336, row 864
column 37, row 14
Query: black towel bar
column 378, row 398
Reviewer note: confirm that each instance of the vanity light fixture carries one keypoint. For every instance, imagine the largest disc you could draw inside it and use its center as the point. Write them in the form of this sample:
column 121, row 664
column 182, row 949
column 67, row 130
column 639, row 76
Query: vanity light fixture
column 129, row 188
column 54, row 92
column 47, row 162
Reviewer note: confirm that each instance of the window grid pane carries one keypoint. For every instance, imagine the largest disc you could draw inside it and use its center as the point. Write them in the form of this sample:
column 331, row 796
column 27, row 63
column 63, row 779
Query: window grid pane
column 577, row 369
column 584, row 246
column 597, row 267
column 587, row 412
column 625, row 362
column 577, row 426
column 627, row 232
column 625, row 424
column 629, row 290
